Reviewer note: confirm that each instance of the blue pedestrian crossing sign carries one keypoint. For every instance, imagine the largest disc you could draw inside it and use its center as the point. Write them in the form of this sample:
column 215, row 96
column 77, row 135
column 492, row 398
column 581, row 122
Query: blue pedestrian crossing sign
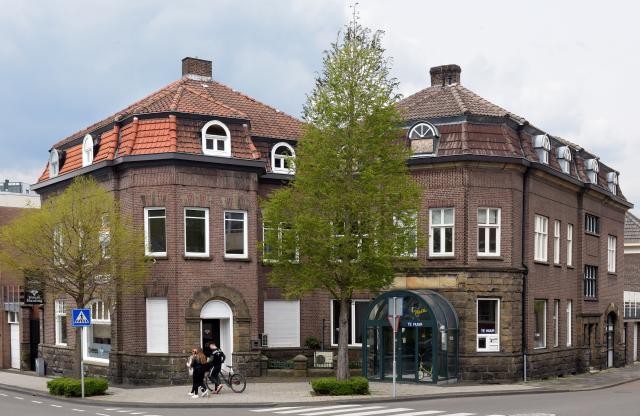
column 80, row 317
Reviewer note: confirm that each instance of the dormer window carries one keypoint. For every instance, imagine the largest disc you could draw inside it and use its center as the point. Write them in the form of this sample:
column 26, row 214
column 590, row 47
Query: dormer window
column 216, row 139
column 424, row 139
column 282, row 156
column 564, row 158
column 87, row 150
column 54, row 163
column 612, row 182
column 592, row 168
column 542, row 146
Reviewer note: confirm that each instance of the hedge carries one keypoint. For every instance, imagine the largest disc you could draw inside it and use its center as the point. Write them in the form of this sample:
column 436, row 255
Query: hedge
column 332, row 387
column 70, row 387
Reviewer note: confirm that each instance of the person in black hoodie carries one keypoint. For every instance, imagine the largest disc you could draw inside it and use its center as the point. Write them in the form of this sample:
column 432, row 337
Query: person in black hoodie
column 215, row 361
column 199, row 365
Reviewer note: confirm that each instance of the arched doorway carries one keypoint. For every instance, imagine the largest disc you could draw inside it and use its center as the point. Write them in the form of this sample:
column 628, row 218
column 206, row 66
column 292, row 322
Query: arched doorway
column 611, row 325
column 216, row 325
column 426, row 341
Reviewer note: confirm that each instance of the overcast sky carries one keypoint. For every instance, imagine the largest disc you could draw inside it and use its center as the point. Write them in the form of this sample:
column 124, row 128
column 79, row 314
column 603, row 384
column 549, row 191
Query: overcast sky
column 569, row 67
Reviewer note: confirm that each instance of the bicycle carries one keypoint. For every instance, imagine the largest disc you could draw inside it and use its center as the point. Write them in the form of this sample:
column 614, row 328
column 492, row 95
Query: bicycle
column 236, row 381
column 423, row 371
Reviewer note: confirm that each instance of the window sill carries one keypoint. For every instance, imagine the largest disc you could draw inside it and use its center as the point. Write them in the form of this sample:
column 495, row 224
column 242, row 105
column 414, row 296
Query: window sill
column 154, row 257
column 540, row 348
column 443, row 257
column 490, row 257
column 202, row 258
column 570, row 267
column 240, row 259
column 541, row 262
column 612, row 274
column 590, row 299
column 558, row 265
column 592, row 234
column 96, row 361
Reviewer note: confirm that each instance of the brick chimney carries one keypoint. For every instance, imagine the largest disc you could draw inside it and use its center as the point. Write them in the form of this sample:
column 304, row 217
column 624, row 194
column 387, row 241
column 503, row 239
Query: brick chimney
column 197, row 68
column 445, row 75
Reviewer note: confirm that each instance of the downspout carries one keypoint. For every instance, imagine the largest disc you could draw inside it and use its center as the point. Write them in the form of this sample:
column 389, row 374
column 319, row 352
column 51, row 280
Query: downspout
column 525, row 268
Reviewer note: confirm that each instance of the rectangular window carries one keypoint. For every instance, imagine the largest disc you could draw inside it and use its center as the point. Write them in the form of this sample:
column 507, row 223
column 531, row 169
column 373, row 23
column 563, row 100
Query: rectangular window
column 282, row 322
column 569, row 244
column 488, row 333
column 12, row 317
column 488, row 231
column 540, row 323
column 157, row 325
column 541, row 238
column 590, row 282
column 285, row 239
column 61, row 322
column 235, row 234
column 556, row 323
column 196, row 232
column 611, row 253
column 441, row 229
column 155, row 234
column 104, row 236
column 556, row 242
column 407, row 245
column 569, row 323
column 97, row 344
column 591, row 224
column 357, row 317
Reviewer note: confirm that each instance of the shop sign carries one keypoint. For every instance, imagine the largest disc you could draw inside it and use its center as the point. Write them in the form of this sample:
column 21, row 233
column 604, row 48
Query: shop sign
column 33, row 297
column 413, row 324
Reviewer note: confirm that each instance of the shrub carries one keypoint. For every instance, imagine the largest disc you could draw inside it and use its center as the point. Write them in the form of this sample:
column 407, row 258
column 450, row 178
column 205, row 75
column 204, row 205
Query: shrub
column 312, row 343
column 70, row 387
column 331, row 386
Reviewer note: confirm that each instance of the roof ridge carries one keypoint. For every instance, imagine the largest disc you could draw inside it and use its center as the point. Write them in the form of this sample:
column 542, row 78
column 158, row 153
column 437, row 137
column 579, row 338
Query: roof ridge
column 458, row 98
column 176, row 98
column 633, row 218
column 213, row 100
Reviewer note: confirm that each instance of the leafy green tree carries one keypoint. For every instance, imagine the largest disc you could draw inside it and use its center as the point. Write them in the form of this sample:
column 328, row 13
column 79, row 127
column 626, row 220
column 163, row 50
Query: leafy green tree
column 349, row 215
column 79, row 245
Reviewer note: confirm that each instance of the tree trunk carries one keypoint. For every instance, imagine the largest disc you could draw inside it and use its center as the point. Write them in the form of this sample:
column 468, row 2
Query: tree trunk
column 342, row 372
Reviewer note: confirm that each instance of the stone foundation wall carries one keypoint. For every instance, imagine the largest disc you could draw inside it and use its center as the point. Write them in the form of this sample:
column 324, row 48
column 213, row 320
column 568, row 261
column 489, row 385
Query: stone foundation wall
column 556, row 363
column 58, row 361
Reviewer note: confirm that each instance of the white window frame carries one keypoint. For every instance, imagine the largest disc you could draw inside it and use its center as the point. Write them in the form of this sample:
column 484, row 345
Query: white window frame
column 280, row 230
column 556, row 241
column 541, row 238
column 612, row 251
column 569, row 322
column 87, row 150
column 442, row 226
column 12, row 317
column 569, row 244
column 564, row 159
column 158, row 340
column 592, row 224
column 590, row 279
column 592, row 167
column 206, row 232
column 352, row 326
column 104, row 237
column 487, row 227
column 542, row 146
column 103, row 318
column 147, row 236
column 227, row 140
column 54, row 163
column 556, row 323
column 487, row 336
column 413, row 229
column 60, row 309
column 245, row 234
column 612, row 182
column 544, row 323
column 274, row 156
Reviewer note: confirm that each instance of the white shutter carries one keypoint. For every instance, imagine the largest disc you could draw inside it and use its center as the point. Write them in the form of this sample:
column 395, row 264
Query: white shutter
column 282, row 322
column 157, row 325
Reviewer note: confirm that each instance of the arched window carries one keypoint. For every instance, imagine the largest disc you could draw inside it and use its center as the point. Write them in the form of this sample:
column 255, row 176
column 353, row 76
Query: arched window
column 612, row 182
column 87, row 150
column 97, row 345
column 423, row 137
column 216, row 139
column 542, row 146
column 564, row 158
column 592, row 168
column 282, row 156
column 54, row 163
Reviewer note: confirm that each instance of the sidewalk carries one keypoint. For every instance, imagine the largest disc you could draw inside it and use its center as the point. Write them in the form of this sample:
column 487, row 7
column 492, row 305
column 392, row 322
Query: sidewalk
column 266, row 391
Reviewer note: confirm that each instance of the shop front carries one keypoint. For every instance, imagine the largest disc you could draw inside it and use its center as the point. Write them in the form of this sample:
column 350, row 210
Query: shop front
column 426, row 339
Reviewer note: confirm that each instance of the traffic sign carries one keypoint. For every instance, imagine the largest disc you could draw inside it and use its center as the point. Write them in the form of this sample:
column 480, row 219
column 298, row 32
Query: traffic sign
column 80, row 317
column 394, row 321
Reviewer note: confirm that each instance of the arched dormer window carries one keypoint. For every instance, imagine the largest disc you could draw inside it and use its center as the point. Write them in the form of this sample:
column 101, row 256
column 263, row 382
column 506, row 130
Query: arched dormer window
column 564, row 158
column 542, row 146
column 592, row 167
column 282, row 156
column 216, row 139
column 612, row 182
column 424, row 139
column 54, row 163
column 87, row 150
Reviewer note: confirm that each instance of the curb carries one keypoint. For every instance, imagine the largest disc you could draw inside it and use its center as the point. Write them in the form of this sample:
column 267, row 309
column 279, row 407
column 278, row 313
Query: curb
column 93, row 402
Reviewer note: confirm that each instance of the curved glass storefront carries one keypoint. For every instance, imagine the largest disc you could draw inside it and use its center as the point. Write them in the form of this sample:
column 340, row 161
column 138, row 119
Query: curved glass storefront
column 426, row 340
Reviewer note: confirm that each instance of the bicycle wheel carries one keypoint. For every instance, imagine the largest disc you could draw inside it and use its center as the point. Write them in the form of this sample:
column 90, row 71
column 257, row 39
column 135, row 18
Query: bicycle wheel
column 420, row 374
column 238, row 383
column 207, row 383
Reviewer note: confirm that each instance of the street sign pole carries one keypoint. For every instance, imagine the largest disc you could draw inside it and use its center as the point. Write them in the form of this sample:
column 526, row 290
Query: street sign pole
column 395, row 331
column 82, row 341
column 81, row 319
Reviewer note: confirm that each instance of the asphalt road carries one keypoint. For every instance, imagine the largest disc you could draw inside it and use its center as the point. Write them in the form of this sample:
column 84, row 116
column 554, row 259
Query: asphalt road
column 623, row 400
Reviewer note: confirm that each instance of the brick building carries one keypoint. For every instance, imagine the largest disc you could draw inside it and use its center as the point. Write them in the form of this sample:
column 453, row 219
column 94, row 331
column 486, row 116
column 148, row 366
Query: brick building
column 632, row 286
column 523, row 233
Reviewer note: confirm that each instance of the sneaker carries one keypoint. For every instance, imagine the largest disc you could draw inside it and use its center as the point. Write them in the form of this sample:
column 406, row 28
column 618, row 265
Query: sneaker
column 205, row 393
column 218, row 389
column 195, row 396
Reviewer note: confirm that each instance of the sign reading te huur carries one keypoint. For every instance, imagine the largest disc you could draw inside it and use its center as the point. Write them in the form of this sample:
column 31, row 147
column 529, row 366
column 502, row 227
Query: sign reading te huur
column 80, row 317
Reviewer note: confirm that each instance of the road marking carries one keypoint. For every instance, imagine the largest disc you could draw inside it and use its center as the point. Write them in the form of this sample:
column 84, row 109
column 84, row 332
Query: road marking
column 380, row 412
column 35, row 401
column 112, row 408
column 2, row 394
column 102, row 414
column 273, row 409
column 55, row 405
column 421, row 413
column 341, row 411
column 19, row 398
column 77, row 410
column 459, row 414
column 138, row 413
column 124, row 411
column 311, row 409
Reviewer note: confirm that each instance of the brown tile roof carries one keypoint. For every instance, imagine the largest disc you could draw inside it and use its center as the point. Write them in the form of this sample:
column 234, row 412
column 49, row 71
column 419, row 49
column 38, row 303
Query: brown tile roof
column 631, row 229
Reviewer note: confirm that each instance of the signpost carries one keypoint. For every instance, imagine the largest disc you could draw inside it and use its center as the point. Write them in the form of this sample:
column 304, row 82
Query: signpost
column 395, row 313
column 81, row 318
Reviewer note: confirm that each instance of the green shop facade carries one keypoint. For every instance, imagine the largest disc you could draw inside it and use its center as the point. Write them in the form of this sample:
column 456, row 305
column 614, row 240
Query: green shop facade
column 426, row 340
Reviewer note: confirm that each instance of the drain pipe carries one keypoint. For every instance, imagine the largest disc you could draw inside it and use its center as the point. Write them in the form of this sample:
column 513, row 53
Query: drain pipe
column 525, row 271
